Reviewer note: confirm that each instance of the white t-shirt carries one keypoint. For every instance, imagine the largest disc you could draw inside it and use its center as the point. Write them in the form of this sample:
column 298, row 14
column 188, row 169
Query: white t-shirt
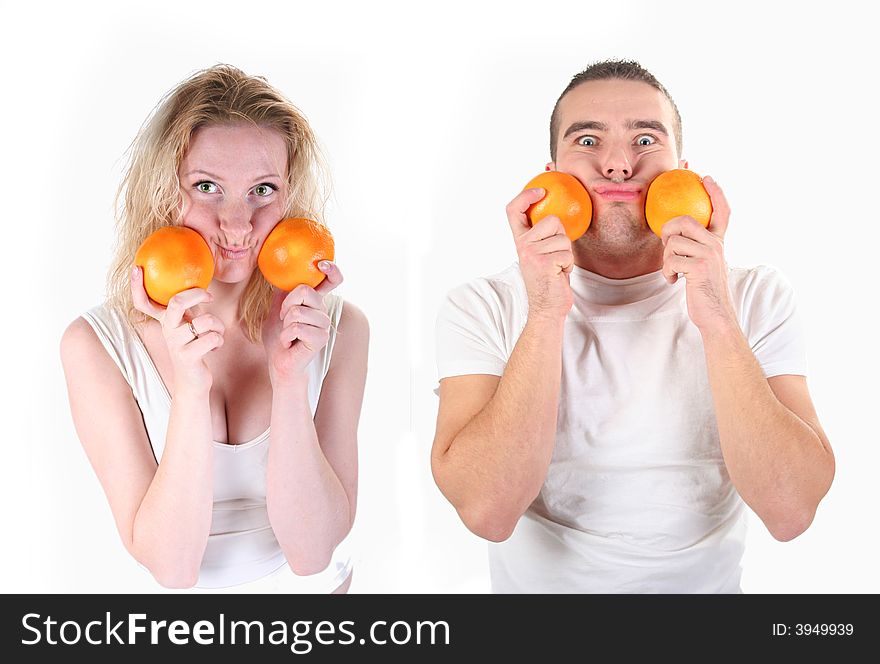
column 637, row 498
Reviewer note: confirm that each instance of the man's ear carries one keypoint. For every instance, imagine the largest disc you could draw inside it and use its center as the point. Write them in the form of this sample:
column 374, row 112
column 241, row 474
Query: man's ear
column 550, row 166
column 682, row 163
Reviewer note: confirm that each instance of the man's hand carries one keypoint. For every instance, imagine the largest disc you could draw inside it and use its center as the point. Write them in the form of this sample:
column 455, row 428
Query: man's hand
column 545, row 257
column 698, row 254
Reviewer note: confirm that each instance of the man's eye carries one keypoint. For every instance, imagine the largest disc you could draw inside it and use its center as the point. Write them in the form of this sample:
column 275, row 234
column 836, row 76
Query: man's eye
column 588, row 141
column 206, row 187
column 646, row 139
column 264, row 189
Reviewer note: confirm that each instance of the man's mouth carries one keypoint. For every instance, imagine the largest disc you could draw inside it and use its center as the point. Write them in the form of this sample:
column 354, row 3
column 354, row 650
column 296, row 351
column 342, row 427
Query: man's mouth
column 618, row 192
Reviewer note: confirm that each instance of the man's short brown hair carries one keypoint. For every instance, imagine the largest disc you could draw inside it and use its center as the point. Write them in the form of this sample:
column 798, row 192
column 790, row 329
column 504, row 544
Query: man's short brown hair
column 625, row 70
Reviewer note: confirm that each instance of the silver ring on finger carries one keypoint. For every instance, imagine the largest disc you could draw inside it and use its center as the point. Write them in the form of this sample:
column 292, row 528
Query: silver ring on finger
column 192, row 328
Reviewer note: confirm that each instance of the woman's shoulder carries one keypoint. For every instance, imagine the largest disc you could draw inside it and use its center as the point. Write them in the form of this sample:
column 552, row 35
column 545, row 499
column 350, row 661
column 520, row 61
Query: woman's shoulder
column 78, row 336
column 85, row 339
column 351, row 315
column 352, row 330
column 344, row 313
column 81, row 331
column 95, row 329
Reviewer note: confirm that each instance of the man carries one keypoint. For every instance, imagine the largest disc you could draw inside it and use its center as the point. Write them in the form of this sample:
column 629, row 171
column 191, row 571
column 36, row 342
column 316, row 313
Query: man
column 607, row 405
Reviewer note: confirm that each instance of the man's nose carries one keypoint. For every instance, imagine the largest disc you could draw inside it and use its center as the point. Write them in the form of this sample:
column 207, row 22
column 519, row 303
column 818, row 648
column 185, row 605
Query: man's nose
column 235, row 218
column 616, row 165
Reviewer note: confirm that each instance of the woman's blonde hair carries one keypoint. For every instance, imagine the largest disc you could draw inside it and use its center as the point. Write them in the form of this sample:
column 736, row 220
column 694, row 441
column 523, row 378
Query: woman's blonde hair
column 149, row 196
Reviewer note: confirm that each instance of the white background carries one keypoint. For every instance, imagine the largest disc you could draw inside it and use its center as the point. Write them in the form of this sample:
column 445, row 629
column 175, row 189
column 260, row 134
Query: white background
column 432, row 119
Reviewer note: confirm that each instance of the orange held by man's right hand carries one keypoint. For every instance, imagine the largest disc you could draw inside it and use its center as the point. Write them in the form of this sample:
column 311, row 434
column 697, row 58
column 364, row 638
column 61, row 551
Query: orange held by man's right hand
column 174, row 259
column 290, row 254
column 565, row 198
column 677, row 193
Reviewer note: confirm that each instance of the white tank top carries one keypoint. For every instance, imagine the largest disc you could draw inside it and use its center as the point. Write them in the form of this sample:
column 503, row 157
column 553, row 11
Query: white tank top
column 241, row 548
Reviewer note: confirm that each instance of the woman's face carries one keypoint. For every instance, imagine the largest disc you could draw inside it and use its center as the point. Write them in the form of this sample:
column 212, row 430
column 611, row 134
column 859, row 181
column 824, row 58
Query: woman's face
column 234, row 184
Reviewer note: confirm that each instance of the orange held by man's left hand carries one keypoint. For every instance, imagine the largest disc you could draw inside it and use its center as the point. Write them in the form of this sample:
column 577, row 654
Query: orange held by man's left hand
column 290, row 254
column 677, row 193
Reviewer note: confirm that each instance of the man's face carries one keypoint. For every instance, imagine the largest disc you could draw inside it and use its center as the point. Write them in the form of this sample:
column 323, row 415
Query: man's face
column 616, row 136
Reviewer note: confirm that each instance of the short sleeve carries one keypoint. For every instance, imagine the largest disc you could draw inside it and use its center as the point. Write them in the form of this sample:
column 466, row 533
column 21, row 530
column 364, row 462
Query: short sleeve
column 771, row 323
column 469, row 333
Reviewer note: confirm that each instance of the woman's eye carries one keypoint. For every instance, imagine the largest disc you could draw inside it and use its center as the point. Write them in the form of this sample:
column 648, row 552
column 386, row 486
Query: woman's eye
column 588, row 141
column 645, row 140
column 206, row 187
column 264, row 189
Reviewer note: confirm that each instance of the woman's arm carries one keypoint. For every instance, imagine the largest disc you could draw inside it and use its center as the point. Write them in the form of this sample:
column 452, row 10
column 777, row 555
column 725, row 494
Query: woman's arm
column 312, row 474
column 162, row 512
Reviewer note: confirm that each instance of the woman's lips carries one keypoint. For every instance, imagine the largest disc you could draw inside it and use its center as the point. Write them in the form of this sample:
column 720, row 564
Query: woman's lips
column 234, row 254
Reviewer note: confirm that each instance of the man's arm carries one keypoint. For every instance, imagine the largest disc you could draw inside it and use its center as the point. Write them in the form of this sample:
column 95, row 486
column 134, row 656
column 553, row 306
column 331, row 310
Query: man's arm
column 776, row 453
column 495, row 437
column 778, row 457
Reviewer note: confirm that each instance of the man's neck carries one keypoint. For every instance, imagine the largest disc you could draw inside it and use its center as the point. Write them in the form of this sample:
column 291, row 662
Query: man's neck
column 617, row 266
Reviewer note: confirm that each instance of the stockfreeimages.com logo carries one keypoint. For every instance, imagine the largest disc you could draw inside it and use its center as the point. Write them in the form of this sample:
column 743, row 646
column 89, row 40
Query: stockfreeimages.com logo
column 300, row 636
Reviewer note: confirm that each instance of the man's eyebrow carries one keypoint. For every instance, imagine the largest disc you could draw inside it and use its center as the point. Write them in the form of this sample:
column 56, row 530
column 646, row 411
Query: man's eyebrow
column 586, row 124
column 648, row 124
column 575, row 127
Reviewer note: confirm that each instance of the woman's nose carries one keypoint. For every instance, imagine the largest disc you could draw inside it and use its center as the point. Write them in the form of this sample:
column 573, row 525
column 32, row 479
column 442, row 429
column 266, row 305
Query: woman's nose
column 235, row 217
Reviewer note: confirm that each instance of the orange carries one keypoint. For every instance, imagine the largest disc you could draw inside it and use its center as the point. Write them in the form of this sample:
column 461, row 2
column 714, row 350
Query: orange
column 565, row 198
column 174, row 258
column 290, row 253
column 676, row 193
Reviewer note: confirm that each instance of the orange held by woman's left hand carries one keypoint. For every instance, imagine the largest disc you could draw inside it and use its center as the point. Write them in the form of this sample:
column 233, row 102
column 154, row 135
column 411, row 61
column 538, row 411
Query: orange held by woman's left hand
column 290, row 254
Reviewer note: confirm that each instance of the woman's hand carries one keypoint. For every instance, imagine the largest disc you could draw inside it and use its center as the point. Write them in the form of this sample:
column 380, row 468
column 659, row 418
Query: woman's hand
column 297, row 326
column 189, row 339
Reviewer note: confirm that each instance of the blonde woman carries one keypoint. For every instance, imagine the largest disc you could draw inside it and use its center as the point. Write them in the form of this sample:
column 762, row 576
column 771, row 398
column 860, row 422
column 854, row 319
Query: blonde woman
column 223, row 428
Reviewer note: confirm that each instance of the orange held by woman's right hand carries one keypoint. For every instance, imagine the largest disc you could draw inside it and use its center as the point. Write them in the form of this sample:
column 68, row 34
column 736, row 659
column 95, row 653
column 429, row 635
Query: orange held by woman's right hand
column 174, row 259
column 173, row 268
